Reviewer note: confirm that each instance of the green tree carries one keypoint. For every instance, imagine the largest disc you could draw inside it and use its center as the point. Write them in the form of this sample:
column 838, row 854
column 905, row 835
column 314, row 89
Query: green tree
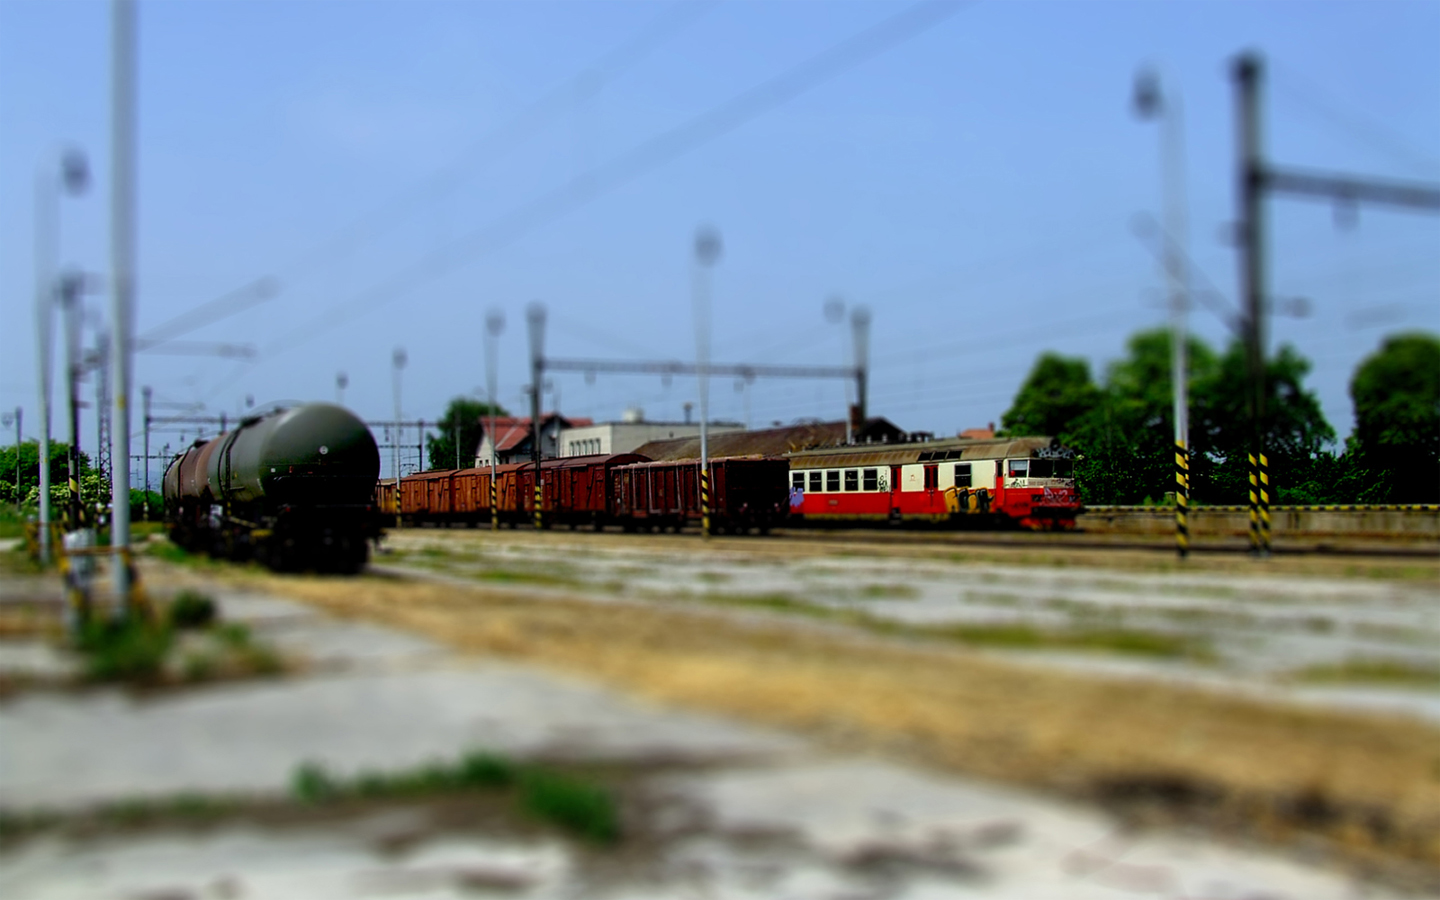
column 462, row 421
column 1395, row 447
column 1294, row 432
column 1127, row 442
column 29, row 455
column 1055, row 395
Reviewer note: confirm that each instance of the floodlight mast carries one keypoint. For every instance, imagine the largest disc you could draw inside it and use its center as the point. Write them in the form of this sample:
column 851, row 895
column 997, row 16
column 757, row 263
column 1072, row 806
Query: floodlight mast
column 707, row 253
column 535, row 319
column 494, row 324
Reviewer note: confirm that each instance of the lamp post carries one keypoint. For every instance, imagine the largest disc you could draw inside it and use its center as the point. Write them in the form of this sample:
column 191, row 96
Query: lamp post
column 494, row 324
column 74, row 177
column 7, row 418
column 535, row 319
column 707, row 253
column 834, row 312
column 1153, row 103
column 145, row 394
column 397, row 360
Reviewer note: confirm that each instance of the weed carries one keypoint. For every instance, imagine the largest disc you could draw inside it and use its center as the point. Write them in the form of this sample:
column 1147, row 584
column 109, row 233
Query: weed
column 1394, row 672
column 585, row 809
column 191, row 609
column 129, row 650
column 889, row 591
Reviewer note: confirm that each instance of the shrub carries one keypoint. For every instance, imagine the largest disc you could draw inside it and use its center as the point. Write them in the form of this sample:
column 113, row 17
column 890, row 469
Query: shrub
column 191, row 610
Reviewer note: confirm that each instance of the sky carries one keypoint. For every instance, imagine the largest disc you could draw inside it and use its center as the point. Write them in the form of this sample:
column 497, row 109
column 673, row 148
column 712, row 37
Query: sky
column 970, row 174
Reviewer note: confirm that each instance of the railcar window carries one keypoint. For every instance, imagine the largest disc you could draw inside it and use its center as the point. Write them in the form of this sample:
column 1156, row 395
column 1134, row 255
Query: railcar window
column 832, row 480
column 1064, row 468
column 852, row 479
column 1019, row 468
column 962, row 475
column 871, row 480
column 1040, row 468
column 797, row 480
column 815, row 481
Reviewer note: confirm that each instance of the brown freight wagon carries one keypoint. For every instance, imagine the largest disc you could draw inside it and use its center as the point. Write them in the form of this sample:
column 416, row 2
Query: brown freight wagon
column 472, row 494
column 745, row 492
column 574, row 489
column 426, row 496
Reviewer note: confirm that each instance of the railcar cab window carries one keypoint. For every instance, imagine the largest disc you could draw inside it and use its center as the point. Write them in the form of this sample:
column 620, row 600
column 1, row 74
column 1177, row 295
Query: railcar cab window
column 797, row 480
column 852, row 479
column 871, row 480
column 832, row 480
column 1018, row 468
column 815, row 481
column 962, row 475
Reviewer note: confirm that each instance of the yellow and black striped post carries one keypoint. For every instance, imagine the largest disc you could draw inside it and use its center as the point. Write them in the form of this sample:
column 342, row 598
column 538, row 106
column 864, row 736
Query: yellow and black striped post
column 1182, row 500
column 704, row 503
column 494, row 506
column 538, row 496
column 1254, row 478
column 1264, row 480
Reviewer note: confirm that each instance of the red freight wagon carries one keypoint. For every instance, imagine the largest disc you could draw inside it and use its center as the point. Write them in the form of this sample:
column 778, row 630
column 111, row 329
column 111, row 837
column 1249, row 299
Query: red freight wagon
column 427, row 496
column 745, row 493
column 1025, row 481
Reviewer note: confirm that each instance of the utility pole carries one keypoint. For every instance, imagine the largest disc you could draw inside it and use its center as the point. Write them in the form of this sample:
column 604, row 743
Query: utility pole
column 535, row 319
column 707, row 252
column 122, row 235
column 494, row 324
column 70, row 287
column 1256, row 177
column 1151, row 102
column 145, row 393
column 6, row 419
column 104, row 461
column 397, row 361
column 860, row 328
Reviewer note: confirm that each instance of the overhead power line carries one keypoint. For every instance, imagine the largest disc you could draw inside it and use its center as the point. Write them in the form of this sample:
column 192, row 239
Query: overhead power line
column 640, row 160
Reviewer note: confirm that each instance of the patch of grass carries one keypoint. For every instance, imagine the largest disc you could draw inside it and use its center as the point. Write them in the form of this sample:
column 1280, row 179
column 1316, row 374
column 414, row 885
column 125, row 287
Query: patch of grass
column 585, row 809
column 889, row 591
column 1019, row 635
column 578, row 806
column 191, row 609
column 712, row 577
column 1362, row 670
column 132, row 649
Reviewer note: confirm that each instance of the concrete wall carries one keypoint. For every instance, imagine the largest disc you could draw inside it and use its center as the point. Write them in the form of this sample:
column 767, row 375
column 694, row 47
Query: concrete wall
column 1360, row 521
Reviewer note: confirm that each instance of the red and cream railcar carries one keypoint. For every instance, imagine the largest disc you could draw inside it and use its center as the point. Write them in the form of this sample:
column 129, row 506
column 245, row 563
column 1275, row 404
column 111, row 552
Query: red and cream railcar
column 1023, row 481
column 745, row 493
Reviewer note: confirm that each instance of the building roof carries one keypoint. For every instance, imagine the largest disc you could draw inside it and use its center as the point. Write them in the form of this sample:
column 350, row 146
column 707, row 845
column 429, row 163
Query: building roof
column 511, row 431
column 771, row 441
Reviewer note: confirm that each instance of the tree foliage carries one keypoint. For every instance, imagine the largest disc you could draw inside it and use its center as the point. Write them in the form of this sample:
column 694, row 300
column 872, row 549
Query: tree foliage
column 1396, row 441
column 1124, row 429
column 462, row 421
column 29, row 456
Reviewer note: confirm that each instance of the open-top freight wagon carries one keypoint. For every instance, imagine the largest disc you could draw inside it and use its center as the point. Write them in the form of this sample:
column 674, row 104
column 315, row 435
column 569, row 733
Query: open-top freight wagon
column 622, row 490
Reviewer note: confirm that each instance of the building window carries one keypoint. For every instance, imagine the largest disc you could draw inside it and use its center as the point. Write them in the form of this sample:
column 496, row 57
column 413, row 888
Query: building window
column 832, row 480
column 852, row 479
column 962, row 475
column 815, row 481
column 871, row 480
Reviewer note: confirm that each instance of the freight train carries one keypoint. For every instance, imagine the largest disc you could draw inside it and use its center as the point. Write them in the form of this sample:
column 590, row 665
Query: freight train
column 624, row 490
column 293, row 488
column 1026, row 482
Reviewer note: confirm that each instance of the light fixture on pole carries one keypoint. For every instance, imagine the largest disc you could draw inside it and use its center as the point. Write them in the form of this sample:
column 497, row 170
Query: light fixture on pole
column 1153, row 103
column 7, row 418
column 397, row 361
column 342, row 381
column 74, row 178
column 494, row 324
column 707, row 252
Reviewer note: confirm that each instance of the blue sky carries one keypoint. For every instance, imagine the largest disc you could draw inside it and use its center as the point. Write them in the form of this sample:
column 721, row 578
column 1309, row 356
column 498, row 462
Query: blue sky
column 974, row 186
